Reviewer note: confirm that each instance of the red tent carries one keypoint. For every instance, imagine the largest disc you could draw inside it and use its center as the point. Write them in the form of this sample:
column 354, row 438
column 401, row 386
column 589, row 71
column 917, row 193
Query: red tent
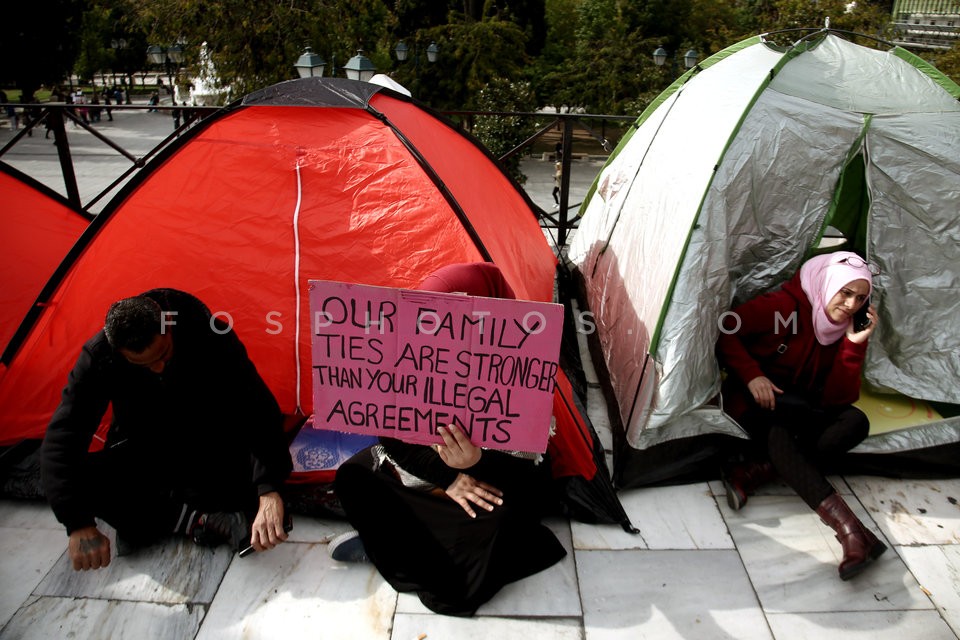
column 37, row 229
column 308, row 179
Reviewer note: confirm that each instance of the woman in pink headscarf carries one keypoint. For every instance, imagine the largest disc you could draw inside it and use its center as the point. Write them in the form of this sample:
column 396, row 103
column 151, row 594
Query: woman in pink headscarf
column 452, row 522
column 793, row 359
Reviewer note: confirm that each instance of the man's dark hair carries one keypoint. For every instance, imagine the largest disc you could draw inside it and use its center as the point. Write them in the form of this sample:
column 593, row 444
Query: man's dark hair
column 133, row 323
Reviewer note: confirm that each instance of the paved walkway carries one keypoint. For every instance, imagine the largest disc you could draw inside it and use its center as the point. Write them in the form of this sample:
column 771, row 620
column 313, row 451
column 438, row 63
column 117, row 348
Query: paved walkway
column 696, row 570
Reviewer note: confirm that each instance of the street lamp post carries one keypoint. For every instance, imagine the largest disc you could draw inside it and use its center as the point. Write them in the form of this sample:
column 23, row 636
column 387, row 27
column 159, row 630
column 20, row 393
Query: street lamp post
column 169, row 58
column 689, row 58
column 310, row 64
column 359, row 67
column 402, row 51
column 117, row 44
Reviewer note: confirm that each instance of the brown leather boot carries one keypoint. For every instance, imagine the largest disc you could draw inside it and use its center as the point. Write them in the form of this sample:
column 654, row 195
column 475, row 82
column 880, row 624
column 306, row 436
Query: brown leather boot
column 860, row 546
column 744, row 479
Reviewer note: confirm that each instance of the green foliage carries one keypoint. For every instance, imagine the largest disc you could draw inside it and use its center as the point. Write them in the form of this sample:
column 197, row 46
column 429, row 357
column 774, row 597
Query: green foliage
column 593, row 55
column 501, row 134
column 95, row 52
column 39, row 42
column 949, row 62
column 474, row 53
column 255, row 43
column 868, row 17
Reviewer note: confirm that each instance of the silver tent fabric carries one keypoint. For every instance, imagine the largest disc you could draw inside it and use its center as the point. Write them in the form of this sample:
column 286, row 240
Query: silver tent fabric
column 632, row 235
column 915, row 238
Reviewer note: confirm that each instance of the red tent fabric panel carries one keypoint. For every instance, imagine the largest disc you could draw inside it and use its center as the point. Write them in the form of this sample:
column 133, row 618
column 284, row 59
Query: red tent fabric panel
column 36, row 232
column 217, row 219
column 486, row 194
column 570, row 448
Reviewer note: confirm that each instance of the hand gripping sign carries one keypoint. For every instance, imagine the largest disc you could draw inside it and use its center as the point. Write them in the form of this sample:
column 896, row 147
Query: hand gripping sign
column 400, row 363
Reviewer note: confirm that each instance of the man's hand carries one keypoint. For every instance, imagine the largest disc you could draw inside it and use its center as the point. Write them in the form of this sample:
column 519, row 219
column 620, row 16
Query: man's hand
column 457, row 451
column 267, row 529
column 764, row 392
column 466, row 489
column 89, row 549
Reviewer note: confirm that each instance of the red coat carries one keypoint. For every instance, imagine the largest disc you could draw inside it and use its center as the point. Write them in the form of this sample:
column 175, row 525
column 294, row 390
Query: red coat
column 775, row 339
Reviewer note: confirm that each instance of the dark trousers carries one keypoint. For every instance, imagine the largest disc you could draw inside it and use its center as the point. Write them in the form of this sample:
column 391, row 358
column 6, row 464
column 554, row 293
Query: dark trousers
column 801, row 442
column 144, row 498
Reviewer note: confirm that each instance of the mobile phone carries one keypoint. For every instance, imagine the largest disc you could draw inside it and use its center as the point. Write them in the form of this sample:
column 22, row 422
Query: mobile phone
column 860, row 319
column 287, row 527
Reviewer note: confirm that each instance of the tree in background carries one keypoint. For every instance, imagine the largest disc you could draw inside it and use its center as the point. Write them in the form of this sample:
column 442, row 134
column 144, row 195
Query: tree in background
column 254, row 44
column 594, row 55
column 870, row 18
column 96, row 55
column 549, row 73
column 478, row 42
column 501, row 134
column 39, row 42
column 603, row 61
column 949, row 62
column 476, row 52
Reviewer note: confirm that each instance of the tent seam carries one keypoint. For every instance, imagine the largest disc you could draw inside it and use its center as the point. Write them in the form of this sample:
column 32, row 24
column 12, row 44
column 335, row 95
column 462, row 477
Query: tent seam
column 296, row 284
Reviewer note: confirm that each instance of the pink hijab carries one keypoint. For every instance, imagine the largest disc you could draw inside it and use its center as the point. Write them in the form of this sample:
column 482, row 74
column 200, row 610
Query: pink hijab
column 821, row 277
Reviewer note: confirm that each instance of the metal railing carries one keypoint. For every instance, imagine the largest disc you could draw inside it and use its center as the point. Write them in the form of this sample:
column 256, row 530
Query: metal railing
column 52, row 118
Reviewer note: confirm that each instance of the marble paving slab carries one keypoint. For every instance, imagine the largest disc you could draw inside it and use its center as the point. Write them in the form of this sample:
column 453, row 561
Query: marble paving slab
column 311, row 529
column 666, row 595
column 296, row 591
column 550, row 593
column 676, row 517
column 780, row 488
column 912, row 511
column 861, row 625
column 47, row 618
column 30, row 514
column 937, row 569
column 176, row 571
column 433, row 627
column 28, row 556
column 597, row 412
column 792, row 560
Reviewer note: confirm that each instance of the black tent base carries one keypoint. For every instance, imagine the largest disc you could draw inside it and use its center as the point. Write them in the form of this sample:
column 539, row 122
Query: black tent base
column 20, row 471
column 700, row 458
column 681, row 461
column 942, row 461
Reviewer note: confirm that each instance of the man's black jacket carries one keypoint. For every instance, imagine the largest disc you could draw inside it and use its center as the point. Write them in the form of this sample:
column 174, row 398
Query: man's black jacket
column 208, row 422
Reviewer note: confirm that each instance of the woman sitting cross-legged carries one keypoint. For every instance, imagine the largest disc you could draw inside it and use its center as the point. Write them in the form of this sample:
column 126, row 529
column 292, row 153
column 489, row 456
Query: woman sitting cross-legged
column 452, row 522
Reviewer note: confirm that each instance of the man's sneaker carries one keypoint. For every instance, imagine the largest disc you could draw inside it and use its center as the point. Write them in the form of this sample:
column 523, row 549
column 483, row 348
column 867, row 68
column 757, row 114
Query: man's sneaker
column 348, row 547
column 214, row 529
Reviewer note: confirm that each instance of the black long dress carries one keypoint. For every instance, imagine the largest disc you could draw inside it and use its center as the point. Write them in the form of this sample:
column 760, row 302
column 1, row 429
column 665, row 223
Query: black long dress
column 421, row 540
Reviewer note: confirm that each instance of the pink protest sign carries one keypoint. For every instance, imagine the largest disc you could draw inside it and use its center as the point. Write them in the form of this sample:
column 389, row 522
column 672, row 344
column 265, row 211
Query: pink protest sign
column 400, row 363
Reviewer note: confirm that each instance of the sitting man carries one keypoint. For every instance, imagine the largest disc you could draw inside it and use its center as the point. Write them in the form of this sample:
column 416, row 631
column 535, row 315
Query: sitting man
column 196, row 444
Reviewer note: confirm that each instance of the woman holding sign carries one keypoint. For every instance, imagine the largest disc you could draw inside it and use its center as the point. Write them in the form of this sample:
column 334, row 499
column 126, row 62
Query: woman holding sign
column 452, row 522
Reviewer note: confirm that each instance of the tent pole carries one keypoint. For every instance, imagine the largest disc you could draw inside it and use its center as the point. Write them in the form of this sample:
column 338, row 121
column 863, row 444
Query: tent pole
column 55, row 118
column 565, row 183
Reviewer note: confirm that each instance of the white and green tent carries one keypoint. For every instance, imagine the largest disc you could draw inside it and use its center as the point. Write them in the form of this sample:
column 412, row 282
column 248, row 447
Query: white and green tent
column 741, row 169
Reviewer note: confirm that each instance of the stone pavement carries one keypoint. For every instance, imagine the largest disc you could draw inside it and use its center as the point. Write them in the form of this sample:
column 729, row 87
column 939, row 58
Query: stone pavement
column 696, row 570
